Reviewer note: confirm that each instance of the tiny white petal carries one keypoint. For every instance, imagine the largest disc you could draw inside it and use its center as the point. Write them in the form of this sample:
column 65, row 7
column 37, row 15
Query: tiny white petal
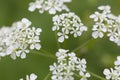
column 61, row 39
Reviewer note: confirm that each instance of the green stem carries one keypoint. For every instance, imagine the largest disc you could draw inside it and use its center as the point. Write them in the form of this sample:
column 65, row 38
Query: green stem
column 47, row 76
column 45, row 51
column 97, row 76
column 79, row 47
column 45, row 54
column 77, row 75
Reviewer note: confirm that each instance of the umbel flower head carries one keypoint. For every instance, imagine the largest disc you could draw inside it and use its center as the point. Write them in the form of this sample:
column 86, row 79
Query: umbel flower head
column 67, row 23
column 52, row 6
column 31, row 77
column 113, row 74
column 19, row 39
column 67, row 65
column 106, row 22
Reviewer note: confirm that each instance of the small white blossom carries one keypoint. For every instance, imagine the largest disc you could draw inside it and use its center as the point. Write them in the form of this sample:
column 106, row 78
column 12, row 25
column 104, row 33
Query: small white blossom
column 113, row 74
column 52, row 6
column 4, row 35
column 105, row 9
column 117, row 62
column 84, row 76
column 99, row 29
column 19, row 39
column 67, row 64
column 31, row 77
column 67, row 23
column 106, row 22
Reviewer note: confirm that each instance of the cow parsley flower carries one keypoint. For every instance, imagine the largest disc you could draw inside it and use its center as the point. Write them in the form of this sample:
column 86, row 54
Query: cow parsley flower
column 113, row 74
column 19, row 39
column 4, row 35
column 31, row 77
column 67, row 23
column 106, row 22
column 67, row 64
column 52, row 6
column 100, row 20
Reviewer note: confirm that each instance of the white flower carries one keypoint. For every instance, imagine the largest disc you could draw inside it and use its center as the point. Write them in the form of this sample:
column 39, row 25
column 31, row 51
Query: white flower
column 35, row 5
column 99, row 29
column 67, row 64
column 84, row 76
column 97, row 34
column 107, row 73
column 98, row 16
column 31, row 77
column 67, row 23
column 52, row 6
column 72, row 57
column 61, row 55
column 112, row 36
column 23, row 24
column 68, row 73
column 105, row 9
column 19, row 39
column 118, row 61
column 63, row 36
column 106, row 22
column 113, row 74
column 22, row 52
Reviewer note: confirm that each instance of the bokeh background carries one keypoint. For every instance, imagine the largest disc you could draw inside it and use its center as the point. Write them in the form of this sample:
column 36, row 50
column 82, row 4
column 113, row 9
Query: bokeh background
column 99, row 53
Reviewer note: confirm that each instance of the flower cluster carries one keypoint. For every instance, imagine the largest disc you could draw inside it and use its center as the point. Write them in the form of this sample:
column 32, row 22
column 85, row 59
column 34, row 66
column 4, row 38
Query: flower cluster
column 18, row 39
column 67, row 23
column 31, row 77
column 52, row 6
column 113, row 74
column 67, row 65
column 106, row 22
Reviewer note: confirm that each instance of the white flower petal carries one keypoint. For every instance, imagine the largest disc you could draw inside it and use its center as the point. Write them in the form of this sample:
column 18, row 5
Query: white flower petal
column 33, row 76
column 95, row 34
column 23, row 55
column 101, row 34
column 52, row 11
column 61, row 39
column 32, row 46
column 106, row 71
column 32, row 8
column 37, row 46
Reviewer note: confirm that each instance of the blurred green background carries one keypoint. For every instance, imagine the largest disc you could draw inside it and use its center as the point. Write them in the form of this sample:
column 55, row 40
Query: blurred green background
column 99, row 53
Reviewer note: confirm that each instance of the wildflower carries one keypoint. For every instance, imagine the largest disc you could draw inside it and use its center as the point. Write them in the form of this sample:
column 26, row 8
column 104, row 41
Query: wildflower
column 4, row 33
column 31, row 77
column 19, row 39
column 67, row 64
column 84, row 76
column 67, row 23
column 99, row 29
column 52, row 6
column 106, row 22
column 113, row 74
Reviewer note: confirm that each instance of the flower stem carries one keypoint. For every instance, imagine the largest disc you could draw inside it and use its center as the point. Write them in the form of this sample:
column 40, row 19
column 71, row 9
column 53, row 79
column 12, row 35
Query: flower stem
column 79, row 47
column 45, row 54
column 97, row 76
column 47, row 76
column 77, row 75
